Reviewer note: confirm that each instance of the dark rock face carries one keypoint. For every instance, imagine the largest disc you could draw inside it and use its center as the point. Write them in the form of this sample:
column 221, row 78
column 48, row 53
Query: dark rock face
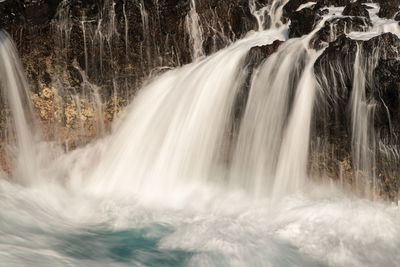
column 389, row 8
column 292, row 6
column 335, row 70
column 117, row 43
column 19, row 12
column 355, row 9
column 336, row 27
column 303, row 21
column 322, row 3
column 258, row 54
column 233, row 18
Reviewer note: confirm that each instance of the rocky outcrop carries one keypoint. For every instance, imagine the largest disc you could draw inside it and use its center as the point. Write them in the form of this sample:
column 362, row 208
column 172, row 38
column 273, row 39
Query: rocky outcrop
column 335, row 69
column 258, row 54
column 388, row 8
column 336, row 3
column 304, row 21
column 336, row 27
column 355, row 9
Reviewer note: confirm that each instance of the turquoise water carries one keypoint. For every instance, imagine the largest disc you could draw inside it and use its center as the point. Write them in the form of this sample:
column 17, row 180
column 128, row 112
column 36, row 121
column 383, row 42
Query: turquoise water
column 52, row 226
column 139, row 246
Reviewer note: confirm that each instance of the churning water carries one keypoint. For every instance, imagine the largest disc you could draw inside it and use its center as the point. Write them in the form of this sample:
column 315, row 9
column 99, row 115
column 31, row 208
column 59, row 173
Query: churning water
column 171, row 186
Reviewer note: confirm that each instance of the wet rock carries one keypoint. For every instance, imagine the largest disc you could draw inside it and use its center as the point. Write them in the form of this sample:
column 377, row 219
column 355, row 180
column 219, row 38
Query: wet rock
column 336, row 3
column 355, row 9
column 37, row 13
column 258, row 54
column 388, row 8
column 75, row 77
column 255, row 57
column 85, row 8
column 40, row 12
column 334, row 69
column 336, row 27
column 234, row 16
column 303, row 21
column 172, row 12
column 386, row 76
column 292, row 6
column 11, row 13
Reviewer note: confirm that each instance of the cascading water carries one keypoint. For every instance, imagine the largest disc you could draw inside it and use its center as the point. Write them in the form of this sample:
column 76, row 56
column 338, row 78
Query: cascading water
column 180, row 182
column 16, row 97
column 146, row 31
column 195, row 32
column 362, row 121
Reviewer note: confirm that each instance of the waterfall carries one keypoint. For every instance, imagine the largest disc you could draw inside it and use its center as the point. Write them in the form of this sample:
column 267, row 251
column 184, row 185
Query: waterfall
column 181, row 128
column 185, row 129
column 211, row 163
column 126, row 31
column 268, row 16
column 146, row 32
column 85, row 43
column 362, row 115
column 271, row 156
column 178, row 131
column 15, row 91
column 195, row 32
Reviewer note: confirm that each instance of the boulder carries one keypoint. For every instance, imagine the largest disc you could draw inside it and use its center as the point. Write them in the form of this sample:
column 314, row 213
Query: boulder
column 303, row 21
column 258, row 54
column 356, row 9
column 388, row 9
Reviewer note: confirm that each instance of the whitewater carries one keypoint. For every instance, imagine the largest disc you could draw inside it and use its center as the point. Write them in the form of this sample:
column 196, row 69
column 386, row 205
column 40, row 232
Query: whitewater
column 171, row 185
